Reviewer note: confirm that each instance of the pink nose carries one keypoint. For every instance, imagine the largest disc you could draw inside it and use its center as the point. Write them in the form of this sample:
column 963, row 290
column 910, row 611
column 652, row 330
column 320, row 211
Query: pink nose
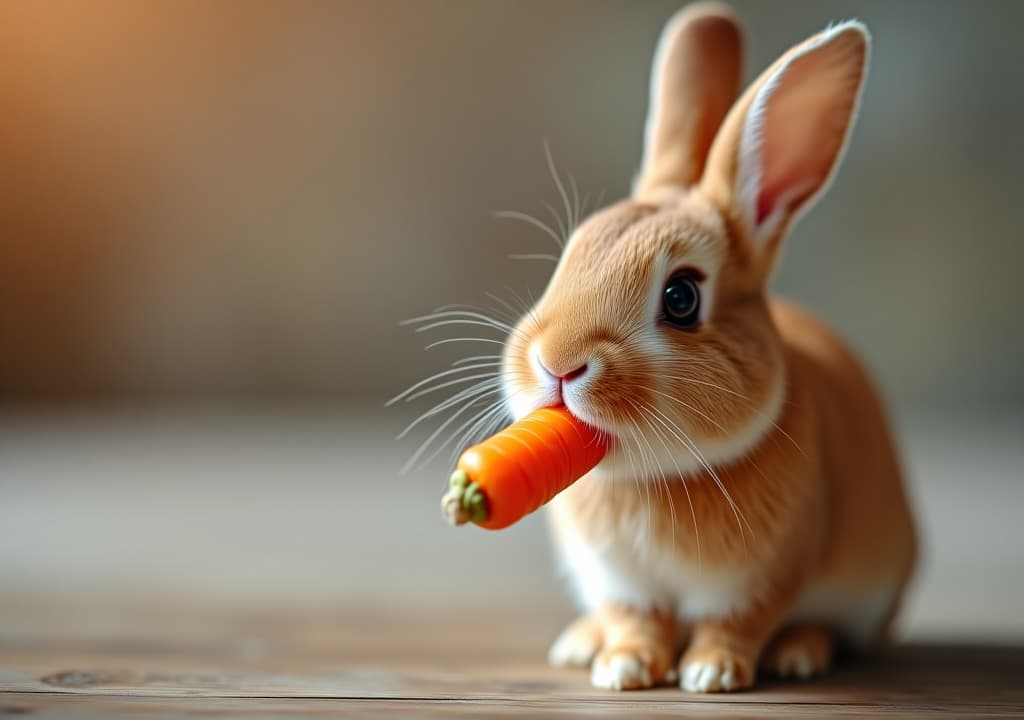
column 564, row 377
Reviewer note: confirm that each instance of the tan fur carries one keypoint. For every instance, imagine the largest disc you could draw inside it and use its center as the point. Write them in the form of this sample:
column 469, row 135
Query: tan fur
column 752, row 490
column 800, row 651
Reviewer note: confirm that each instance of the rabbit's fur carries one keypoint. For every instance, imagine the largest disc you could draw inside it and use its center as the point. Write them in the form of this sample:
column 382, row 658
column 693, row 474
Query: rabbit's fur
column 751, row 511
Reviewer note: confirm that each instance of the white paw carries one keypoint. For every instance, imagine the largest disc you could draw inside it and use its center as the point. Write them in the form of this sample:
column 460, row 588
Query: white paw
column 701, row 676
column 572, row 649
column 620, row 671
column 795, row 662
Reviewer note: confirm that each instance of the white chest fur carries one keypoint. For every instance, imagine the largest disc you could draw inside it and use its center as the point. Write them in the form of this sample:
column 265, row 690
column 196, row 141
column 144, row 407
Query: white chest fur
column 627, row 568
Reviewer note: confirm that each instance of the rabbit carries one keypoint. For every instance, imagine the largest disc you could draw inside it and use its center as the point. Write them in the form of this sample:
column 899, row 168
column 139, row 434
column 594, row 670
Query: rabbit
column 750, row 514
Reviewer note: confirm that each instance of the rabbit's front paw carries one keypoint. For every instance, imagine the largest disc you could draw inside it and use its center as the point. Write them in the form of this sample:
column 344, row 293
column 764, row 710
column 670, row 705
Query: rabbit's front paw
column 630, row 668
column 578, row 644
column 715, row 668
column 801, row 652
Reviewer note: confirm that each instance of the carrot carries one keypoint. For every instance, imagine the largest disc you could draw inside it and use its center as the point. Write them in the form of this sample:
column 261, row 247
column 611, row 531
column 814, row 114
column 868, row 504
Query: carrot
column 508, row 476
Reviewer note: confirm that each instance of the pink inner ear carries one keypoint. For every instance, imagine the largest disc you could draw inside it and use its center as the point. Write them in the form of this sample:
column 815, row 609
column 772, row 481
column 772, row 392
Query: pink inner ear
column 805, row 122
column 788, row 191
column 765, row 204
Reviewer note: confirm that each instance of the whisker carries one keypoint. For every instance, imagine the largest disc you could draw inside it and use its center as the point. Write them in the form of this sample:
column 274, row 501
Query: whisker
column 661, row 469
column 689, row 501
column 562, row 227
column 499, row 403
column 747, row 400
column 501, row 313
column 458, row 314
column 472, row 394
column 690, row 407
column 656, row 465
column 484, row 427
column 446, row 341
column 632, row 465
column 643, row 477
column 436, row 376
column 474, row 358
column 534, row 256
column 496, row 376
column 527, row 308
column 442, row 323
column 425, row 445
column 575, row 218
column 519, row 313
column 695, row 451
column 558, row 183
column 530, row 220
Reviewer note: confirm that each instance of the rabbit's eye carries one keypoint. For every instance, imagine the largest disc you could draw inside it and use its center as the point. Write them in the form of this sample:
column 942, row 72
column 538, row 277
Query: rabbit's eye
column 681, row 301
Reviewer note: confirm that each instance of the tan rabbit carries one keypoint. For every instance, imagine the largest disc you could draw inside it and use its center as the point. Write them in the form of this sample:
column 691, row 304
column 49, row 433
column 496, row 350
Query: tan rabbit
column 751, row 511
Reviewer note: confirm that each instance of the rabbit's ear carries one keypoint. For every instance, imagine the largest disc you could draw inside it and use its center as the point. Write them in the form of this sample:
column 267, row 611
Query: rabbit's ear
column 694, row 81
column 778, row 149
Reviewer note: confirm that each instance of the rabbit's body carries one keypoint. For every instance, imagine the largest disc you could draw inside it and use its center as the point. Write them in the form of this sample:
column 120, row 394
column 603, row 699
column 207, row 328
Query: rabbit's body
column 835, row 528
column 750, row 509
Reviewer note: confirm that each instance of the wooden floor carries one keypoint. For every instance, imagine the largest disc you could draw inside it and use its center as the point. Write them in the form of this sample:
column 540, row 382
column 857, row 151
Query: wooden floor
column 382, row 665
column 232, row 567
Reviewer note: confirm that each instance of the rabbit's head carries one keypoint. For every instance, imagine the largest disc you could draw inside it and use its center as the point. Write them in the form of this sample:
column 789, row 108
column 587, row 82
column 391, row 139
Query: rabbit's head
column 655, row 326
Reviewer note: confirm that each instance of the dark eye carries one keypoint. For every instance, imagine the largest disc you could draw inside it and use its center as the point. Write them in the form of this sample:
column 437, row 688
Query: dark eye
column 681, row 301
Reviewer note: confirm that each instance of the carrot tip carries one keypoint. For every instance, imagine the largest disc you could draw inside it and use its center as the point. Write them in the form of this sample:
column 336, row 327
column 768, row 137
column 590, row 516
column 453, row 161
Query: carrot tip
column 459, row 480
column 453, row 510
column 476, row 502
column 464, row 501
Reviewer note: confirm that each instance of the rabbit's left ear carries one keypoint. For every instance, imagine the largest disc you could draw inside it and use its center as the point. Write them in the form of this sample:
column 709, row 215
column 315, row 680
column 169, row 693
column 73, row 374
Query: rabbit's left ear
column 779, row 146
column 694, row 81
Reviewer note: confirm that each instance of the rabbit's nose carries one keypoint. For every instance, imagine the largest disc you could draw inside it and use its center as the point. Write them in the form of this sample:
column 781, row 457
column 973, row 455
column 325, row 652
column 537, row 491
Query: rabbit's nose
column 561, row 367
column 560, row 375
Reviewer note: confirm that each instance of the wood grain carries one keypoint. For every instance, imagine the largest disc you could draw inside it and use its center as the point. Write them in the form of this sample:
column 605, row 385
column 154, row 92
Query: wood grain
column 371, row 664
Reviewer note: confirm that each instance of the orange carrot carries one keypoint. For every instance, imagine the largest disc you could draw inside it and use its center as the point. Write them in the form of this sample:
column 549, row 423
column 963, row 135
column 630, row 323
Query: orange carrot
column 508, row 476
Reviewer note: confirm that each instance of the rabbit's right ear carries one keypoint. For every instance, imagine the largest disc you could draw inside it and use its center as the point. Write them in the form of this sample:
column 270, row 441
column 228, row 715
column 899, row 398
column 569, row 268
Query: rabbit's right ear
column 695, row 80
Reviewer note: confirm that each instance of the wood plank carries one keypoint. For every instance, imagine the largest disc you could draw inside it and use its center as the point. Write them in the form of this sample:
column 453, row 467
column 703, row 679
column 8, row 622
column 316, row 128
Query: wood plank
column 56, row 706
column 444, row 665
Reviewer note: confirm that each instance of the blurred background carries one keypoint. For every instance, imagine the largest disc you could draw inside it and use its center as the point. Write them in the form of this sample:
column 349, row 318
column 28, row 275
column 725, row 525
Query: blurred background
column 213, row 217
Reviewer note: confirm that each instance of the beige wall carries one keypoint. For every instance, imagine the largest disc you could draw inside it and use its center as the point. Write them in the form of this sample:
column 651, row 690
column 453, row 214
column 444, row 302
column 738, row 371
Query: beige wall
column 234, row 200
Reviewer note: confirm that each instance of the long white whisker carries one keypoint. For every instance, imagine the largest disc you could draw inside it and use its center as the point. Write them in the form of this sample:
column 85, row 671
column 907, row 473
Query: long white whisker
column 471, row 394
column 500, row 403
column 474, row 358
column 656, row 466
column 695, row 451
column 643, row 478
column 746, row 399
column 531, row 220
column 501, row 313
column 690, row 407
column 558, row 183
column 411, row 462
column 575, row 201
column 664, row 479
column 632, row 465
column 682, row 479
column 527, row 309
column 534, row 256
column 562, row 228
column 446, row 341
column 442, row 323
column 458, row 314
column 484, row 427
column 436, row 376
column 496, row 377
